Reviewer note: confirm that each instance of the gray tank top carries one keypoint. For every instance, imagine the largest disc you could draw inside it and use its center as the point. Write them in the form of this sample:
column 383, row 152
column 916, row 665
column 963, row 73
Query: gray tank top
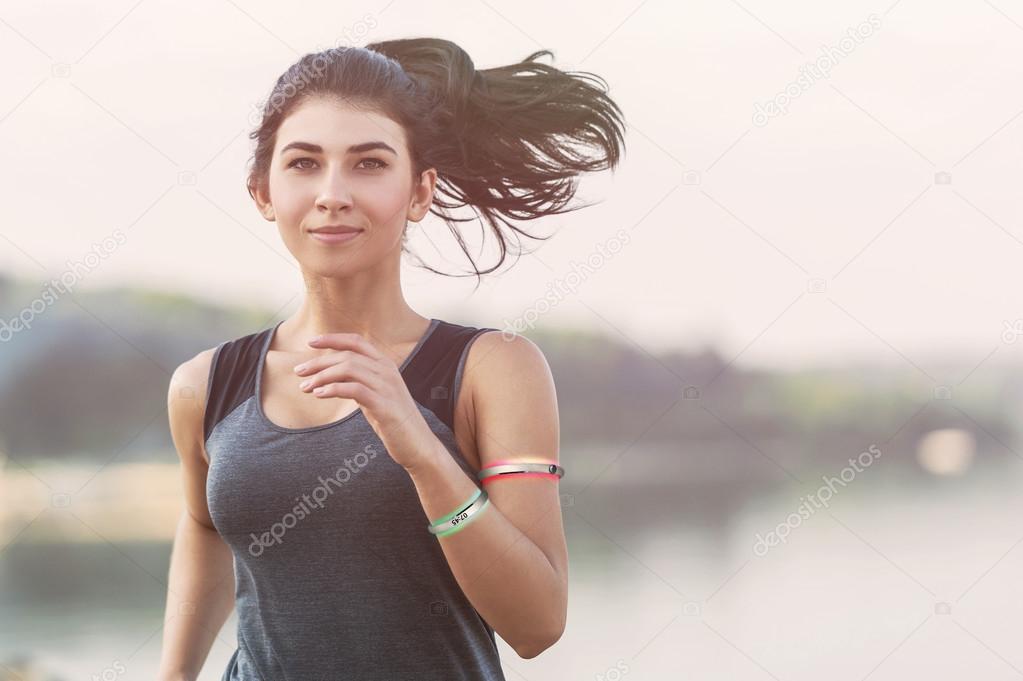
column 336, row 575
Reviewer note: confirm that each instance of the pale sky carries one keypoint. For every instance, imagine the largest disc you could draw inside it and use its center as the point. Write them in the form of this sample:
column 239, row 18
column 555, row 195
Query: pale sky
column 105, row 105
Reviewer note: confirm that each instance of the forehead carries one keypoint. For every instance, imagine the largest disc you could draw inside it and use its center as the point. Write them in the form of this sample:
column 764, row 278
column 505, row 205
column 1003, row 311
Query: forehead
column 335, row 126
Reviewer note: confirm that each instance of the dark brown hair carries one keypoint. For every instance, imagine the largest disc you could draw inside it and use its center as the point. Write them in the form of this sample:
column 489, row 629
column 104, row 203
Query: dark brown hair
column 508, row 142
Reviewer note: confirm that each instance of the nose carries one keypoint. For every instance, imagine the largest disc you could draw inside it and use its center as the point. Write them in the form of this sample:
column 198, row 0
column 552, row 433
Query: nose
column 333, row 194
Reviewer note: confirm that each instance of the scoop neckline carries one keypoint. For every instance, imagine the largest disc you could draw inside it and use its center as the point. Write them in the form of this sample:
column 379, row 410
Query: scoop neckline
column 264, row 350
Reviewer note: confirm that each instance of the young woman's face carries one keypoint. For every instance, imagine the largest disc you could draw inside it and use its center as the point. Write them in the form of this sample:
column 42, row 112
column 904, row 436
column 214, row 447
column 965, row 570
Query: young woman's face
column 335, row 165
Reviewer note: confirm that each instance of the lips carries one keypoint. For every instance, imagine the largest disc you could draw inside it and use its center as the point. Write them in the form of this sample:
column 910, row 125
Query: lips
column 337, row 236
column 335, row 229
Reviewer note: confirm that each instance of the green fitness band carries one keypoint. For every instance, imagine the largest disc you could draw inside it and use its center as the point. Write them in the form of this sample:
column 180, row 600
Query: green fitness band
column 474, row 514
column 456, row 520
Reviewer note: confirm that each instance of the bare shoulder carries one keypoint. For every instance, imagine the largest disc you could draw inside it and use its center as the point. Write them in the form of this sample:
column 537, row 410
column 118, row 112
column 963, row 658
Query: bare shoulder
column 186, row 401
column 186, row 406
column 510, row 357
column 497, row 366
column 509, row 385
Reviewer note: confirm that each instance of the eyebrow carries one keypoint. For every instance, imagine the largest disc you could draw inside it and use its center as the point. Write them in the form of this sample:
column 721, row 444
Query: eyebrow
column 354, row 149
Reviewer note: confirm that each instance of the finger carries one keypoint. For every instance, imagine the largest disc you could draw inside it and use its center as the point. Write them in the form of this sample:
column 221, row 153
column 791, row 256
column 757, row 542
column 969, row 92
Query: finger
column 349, row 390
column 347, row 341
column 344, row 372
column 311, row 366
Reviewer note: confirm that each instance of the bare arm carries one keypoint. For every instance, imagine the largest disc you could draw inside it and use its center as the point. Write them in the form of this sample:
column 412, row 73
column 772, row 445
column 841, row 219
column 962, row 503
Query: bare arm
column 200, row 593
column 511, row 562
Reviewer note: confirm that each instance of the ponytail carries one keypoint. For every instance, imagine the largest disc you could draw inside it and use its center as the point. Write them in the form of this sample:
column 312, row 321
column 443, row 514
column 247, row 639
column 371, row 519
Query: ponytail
column 508, row 142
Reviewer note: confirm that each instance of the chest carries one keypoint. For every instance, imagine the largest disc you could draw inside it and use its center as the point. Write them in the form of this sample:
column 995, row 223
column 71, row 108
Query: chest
column 337, row 484
column 285, row 404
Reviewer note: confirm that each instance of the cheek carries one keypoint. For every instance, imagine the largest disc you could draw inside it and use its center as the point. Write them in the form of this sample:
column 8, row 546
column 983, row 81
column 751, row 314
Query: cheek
column 291, row 198
column 383, row 203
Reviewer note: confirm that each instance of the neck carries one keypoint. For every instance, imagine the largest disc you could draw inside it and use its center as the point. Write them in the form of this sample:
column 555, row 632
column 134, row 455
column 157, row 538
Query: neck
column 372, row 306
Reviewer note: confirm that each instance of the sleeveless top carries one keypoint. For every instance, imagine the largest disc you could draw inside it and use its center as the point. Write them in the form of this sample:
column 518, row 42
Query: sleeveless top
column 336, row 575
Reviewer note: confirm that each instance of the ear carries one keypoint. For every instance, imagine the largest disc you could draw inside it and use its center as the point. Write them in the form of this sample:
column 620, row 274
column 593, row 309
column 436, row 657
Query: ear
column 422, row 195
column 261, row 196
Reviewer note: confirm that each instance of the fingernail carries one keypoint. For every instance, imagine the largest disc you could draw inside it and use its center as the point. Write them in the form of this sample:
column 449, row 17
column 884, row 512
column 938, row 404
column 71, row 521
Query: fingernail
column 305, row 384
column 300, row 368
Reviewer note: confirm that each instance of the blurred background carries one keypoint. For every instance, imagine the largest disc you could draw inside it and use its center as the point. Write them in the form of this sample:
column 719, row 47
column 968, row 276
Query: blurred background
column 784, row 336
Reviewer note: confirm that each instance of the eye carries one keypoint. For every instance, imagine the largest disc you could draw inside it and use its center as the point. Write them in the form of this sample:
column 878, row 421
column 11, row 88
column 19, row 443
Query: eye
column 295, row 163
column 381, row 166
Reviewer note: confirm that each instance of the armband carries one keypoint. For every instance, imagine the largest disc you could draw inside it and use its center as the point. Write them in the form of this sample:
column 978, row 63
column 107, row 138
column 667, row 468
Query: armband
column 533, row 470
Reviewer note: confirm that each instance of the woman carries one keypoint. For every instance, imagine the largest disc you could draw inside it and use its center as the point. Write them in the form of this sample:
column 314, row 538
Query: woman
column 312, row 465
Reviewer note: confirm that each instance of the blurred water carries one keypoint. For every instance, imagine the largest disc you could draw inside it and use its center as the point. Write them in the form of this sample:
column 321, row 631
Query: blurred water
column 903, row 575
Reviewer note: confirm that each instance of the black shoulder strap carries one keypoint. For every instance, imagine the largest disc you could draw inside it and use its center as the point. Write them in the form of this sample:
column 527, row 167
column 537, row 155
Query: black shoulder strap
column 434, row 375
column 232, row 377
